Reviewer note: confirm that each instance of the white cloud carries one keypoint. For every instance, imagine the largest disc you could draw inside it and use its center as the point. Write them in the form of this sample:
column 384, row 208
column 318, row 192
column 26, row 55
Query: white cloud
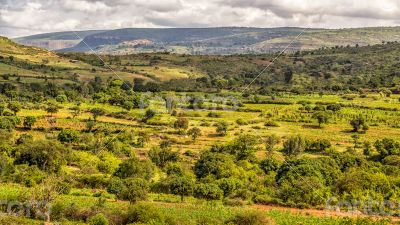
column 24, row 17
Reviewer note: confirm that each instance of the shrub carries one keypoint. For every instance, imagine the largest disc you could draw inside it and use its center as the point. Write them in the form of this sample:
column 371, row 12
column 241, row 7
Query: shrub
column 134, row 167
column 98, row 219
column 269, row 165
column 115, row 186
column 222, row 128
column 271, row 123
column 359, row 123
column 144, row 214
column 319, row 145
column 68, row 136
column 208, row 191
column 161, row 157
column 195, row 132
column 250, row 218
column 136, row 189
column 387, row 147
column 181, row 124
column 29, row 121
column 294, row 145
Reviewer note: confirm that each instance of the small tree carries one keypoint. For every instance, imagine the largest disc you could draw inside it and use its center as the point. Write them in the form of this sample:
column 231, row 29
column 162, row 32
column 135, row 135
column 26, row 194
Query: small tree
column 61, row 98
column 161, row 157
column 222, row 128
column 322, row 118
column 208, row 192
column 29, row 121
column 294, row 145
column 96, row 112
column 150, row 113
column 143, row 138
column 98, row 219
column 76, row 111
column 387, row 147
column 194, row 132
column 334, row 107
column 51, row 109
column 68, row 136
column 270, row 142
column 15, row 107
column 40, row 199
column 136, row 190
column 182, row 186
column 359, row 123
column 181, row 124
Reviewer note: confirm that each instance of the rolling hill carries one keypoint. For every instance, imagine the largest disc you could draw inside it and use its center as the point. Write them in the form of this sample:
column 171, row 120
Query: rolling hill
column 209, row 41
column 56, row 41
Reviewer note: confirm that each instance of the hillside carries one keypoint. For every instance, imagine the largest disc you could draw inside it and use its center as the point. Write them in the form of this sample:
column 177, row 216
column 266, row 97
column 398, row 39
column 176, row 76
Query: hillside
column 211, row 41
column 32, row 64
column 55, row 41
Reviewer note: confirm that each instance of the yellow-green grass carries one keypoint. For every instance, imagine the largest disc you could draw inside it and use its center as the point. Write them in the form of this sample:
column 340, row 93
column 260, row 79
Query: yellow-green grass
column 188, row 212
column 167, row 73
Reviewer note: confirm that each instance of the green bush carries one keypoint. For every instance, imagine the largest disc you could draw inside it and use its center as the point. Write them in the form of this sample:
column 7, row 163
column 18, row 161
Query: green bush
column 98, row 219
column 250, row 218
column 145, row 214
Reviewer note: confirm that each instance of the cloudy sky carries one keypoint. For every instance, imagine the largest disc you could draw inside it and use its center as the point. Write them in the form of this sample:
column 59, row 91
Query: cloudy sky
column 25, row 17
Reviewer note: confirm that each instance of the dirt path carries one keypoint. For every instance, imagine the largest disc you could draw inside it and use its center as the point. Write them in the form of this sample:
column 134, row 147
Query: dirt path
column 322, row 213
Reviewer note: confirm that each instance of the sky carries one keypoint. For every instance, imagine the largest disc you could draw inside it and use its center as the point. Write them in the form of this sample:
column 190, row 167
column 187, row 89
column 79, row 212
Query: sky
column 27, row 17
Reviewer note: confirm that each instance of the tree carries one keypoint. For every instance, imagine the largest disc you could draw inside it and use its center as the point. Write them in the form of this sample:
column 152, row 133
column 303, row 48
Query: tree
column 15, row 107
column 29, row 121
column 98, row 219
column 194, row 132
column 181, row 124
column 2, row 108
column 46, row 155
column 229, row 185
column 322, row 118
column 161, row 157
column 288, row 75
column 150, row 113
column 269, row 165
column 359, row 123
column 387, row 147
column 61, row 98
column 334, row 107
column 270, row 142
column 75, row 111
column 143, row 138
column 42, row 196
column 243, row 147
column 208, row 192
column 182, row 186
column 68, row 136
column 294, row 145
column 134, row 167
column 89, row 125
column 51, row 109
column 222, row 128
column 218, row 165
column 96, row 112
column 136, row 190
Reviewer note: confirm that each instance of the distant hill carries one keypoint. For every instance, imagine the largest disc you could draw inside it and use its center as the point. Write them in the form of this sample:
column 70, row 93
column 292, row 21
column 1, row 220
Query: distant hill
column 209, row 41
column 56, row 41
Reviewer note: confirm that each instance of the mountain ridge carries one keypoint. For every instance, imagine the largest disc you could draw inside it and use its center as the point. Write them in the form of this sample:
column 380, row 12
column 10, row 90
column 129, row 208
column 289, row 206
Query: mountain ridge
column 210, row 41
